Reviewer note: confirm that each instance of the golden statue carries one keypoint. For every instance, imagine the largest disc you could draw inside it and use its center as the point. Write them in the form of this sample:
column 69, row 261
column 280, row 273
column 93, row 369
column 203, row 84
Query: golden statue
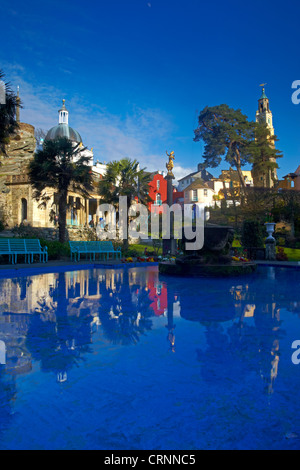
column 170, row 164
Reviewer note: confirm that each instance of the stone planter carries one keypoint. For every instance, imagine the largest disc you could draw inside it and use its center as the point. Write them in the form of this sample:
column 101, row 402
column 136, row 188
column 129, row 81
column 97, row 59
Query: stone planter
column 270, row 242
column 270, row 228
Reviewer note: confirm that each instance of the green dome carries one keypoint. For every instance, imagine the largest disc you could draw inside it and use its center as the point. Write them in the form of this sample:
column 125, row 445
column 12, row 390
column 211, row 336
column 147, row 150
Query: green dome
column 263, row 95
column 63, row 130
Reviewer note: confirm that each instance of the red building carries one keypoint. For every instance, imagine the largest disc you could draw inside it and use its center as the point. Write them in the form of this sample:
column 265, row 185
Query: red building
column 158, row 293
column 157, row 192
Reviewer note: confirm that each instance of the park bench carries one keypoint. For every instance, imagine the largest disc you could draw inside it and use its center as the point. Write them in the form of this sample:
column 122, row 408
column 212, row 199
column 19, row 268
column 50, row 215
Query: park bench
column 33, row 247
column 5, row 249
column 77, row 249
column 28, row 248
column 93, row 248
column 17, row 247
column 107, row 248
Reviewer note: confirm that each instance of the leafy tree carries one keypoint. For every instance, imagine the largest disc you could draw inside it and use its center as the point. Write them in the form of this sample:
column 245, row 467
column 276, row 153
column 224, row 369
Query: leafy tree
column 252, row 234
column 288, row 207
column 260, row 201
column 62, row 166
column 125, row 178
column 8, row 123
column 227, row 133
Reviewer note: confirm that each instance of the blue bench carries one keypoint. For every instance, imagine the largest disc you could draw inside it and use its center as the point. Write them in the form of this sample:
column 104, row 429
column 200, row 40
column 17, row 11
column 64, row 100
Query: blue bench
column 33, row 247
column 5, row 249
column 93, row 248
column 25, row 247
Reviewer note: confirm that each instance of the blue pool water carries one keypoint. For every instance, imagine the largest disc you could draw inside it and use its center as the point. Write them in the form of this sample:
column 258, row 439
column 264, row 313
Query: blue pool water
column 128, row 359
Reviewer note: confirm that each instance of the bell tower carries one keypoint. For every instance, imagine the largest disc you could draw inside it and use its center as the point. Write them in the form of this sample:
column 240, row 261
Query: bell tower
column 263, row 176
column 264, row 114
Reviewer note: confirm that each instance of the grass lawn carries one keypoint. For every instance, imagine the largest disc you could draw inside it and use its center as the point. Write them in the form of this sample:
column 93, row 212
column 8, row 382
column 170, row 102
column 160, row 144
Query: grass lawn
column 292, row 254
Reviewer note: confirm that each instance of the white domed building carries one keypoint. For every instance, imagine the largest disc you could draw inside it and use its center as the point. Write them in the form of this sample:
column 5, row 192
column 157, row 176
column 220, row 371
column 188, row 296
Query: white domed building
column 21, row 207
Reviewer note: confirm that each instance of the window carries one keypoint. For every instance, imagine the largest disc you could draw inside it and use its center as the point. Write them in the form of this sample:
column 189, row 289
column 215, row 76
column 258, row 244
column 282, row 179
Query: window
column 23, row 209
column 158, row 200
column 205, row 192
column 157, row 184
column 195, row 195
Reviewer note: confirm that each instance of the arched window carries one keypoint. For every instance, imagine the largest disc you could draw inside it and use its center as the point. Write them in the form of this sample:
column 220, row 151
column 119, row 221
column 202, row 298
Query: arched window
column 23, row 209
column 158, row 199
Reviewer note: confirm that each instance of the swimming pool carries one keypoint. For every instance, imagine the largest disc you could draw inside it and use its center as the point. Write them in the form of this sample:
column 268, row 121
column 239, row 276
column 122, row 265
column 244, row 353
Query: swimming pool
column 128, row 359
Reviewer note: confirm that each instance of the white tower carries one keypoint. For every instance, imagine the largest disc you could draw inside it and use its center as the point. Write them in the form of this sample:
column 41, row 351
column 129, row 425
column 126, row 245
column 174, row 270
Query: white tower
column 63, row 114
column 264, row 115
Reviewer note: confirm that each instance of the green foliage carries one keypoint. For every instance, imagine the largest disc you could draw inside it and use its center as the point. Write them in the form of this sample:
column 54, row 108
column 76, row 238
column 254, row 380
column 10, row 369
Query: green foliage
column 263, row 151
column 281, row 255
column 252, row 234
column 25, row 231
column 125, row 178
column 227, row 133
column 8, row 122
column 62, row 166
column 56, row 249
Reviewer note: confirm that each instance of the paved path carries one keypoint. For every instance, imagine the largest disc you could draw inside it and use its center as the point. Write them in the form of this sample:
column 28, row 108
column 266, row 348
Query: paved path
column 64, row 265
column 68, row 265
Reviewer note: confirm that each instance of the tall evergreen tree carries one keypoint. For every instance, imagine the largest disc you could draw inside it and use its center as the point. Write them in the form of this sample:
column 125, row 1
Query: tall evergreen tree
column 264, row 156
column 227, row 134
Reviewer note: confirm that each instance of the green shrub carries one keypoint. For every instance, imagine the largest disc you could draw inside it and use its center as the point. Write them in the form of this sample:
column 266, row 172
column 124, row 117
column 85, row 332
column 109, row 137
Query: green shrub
column 253, row 234
column 56, row 249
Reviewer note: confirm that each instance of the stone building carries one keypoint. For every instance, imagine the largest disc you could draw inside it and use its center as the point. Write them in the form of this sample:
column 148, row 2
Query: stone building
column 16, row 194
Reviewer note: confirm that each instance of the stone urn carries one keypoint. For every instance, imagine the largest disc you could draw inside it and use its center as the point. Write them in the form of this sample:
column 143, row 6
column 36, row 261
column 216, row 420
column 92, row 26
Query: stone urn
column 270, row 228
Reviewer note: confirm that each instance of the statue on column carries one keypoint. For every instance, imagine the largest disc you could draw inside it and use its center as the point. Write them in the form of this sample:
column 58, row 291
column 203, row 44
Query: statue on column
column 170, row 164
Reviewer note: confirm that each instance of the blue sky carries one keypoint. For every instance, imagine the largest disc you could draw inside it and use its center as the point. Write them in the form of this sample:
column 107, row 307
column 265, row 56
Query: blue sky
column 136, row 73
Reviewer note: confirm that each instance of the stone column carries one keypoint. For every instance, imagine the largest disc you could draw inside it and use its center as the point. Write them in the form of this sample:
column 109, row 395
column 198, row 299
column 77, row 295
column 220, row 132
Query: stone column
column 169, row 246
column 87, row 210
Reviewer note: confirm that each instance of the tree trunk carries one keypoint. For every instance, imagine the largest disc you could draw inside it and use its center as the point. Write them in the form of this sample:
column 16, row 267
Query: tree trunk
column 239, row 171
column 62, row 214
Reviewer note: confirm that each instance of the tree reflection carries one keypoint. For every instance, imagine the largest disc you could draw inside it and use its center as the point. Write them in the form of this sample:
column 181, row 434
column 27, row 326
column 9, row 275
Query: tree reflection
column 243, row 329
column 55, row 339
column 124, row 311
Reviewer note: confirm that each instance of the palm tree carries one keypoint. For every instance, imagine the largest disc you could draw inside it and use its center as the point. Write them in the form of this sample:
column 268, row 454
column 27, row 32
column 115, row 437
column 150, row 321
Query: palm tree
column 125, row 178
column 62, row 166
column 8, row 123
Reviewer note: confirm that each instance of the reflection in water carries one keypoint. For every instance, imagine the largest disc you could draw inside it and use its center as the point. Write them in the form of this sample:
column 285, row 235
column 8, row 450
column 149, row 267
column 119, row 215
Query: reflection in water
column 242, row 326
column 52, row 318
